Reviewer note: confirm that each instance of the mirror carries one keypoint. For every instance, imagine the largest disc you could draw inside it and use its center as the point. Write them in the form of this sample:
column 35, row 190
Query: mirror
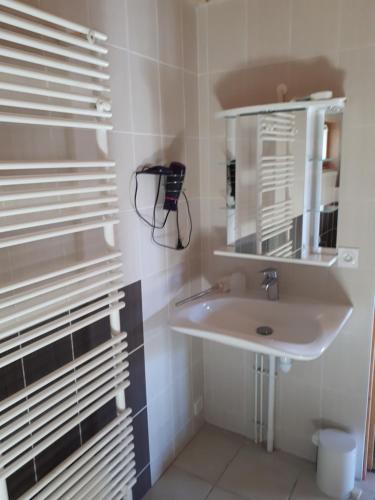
column 283, row 179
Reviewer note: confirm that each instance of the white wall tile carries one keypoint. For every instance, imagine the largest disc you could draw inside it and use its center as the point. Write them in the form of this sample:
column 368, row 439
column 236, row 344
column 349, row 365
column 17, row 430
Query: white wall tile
column 143, row 27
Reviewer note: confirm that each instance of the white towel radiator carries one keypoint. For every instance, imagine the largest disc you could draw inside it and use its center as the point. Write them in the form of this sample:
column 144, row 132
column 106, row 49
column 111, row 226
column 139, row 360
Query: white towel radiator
column 61, row 83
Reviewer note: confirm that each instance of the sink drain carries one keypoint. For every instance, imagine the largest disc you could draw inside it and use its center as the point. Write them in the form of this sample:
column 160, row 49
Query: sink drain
column 264, row 330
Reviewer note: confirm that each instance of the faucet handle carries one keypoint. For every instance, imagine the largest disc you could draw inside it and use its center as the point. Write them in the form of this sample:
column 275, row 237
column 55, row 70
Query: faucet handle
column 269, row 271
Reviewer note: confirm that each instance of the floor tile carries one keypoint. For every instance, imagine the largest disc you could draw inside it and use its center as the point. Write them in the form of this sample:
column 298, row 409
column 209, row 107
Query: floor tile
column 209, row 453
column 306, row 487
column 219, row 494
column 257, row 475
column 177, row 484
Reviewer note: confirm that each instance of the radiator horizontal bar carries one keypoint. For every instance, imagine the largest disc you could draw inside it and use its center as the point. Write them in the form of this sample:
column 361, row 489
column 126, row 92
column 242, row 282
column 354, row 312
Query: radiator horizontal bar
column 19, row 180
column 103, row 200
column 277, row 158
column 68, row 268
column 287, row 246
column 45, row 92
column 42, row 383
column 41, row 446
column 275, row 223
column 277, row 139
column 267, row 189
column 38, row 165
column 51, row 408
column 83, row 476
column 50, row 33
column 275, row 233
column 47, row 234
column 45, row 16
column 30, row 195
column 52, row 122
column 120, row 456
column 118, row 476
column 52, row 108
column 53, row 78
column 57, row 220
column 24, row 324
column 29, row 349
column 47, row 62
column 16, row 312
column 276, row 226
column 119, row 427
column 276, row 206
column 53, row 48
column 58, row 284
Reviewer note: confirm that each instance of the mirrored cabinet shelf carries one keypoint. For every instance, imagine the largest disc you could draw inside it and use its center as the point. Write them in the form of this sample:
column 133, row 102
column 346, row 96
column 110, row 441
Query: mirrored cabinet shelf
column 283, row 180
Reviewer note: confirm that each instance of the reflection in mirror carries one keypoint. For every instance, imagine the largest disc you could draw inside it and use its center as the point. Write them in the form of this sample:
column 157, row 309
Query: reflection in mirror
column 283, row 177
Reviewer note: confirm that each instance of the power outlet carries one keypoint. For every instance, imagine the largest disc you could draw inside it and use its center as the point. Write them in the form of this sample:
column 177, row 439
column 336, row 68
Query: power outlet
column 198, row 406
column 348, row 257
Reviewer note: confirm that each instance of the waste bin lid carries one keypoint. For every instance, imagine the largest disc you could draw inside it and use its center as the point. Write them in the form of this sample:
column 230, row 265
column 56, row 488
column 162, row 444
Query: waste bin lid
column 339, row 441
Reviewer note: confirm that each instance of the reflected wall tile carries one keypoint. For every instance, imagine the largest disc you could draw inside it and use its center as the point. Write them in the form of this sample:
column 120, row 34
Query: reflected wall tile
column 307, row 39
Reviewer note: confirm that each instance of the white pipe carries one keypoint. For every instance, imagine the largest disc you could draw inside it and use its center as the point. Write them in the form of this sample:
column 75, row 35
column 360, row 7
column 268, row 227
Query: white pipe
column 256, row 400
column 47, row 234
column 58, row 206
column 53, row 78
column 56, row 164
column 59, row 272
column 48, row 62
column 29, row 195
column 45, row 16
column 53, row 108
column 40, row 385
column 261, row 397
column 38, row 448
column 271, row 403
column 27, row 89
column 119, row 427
column 52, row 122
column 40, row 29
column 34, row 43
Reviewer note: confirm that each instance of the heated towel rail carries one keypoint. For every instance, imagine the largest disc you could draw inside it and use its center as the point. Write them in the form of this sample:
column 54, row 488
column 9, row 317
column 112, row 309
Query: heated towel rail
column 53, row 72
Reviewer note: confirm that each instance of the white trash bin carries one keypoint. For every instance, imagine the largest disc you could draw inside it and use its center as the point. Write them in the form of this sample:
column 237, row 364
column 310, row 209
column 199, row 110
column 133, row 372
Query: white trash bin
column 336, row 462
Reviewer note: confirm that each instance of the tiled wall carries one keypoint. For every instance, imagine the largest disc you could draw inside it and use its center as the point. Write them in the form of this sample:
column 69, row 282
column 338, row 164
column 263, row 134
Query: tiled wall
column 153, row 63
column 246, row 48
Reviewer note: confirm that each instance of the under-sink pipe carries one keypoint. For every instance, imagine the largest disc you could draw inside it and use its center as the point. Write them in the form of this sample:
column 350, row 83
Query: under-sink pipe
column 271, row 403
column 256, row 400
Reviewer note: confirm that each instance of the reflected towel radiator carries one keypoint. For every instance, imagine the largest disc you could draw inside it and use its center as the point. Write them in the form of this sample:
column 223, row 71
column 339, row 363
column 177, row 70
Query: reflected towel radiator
column 61, row 82
column 275, row 177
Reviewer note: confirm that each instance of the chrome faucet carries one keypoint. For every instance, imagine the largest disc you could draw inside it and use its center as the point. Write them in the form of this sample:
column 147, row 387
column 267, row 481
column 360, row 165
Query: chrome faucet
column 271, row 283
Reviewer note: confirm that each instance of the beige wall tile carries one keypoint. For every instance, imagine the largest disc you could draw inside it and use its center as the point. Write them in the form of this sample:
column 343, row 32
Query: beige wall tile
column 143, row 27
column 170, row 31
column 315, row 27
column 358, row 27
column 226, row 35
column 172, row 100
column 120, row 89
column 75, row 10
column 145, row 95
column 190, row 35
column 269, row 30
column 191, row 104
column 202, row 34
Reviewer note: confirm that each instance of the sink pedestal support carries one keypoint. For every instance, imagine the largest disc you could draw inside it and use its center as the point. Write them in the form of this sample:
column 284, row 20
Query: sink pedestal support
column 271, row 403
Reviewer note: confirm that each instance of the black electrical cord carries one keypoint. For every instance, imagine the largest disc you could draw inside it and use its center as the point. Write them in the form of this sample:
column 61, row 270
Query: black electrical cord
column 154, row 226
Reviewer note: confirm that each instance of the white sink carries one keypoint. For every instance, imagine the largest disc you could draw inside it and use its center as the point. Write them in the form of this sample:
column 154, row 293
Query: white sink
column 301, row 329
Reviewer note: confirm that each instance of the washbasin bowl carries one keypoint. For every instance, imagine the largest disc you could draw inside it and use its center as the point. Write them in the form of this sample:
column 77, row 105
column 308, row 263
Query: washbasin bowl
column 301, row 329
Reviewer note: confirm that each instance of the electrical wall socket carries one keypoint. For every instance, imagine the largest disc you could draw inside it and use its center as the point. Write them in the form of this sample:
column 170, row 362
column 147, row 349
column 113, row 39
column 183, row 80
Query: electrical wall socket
column 198, row 406
column 348, row 257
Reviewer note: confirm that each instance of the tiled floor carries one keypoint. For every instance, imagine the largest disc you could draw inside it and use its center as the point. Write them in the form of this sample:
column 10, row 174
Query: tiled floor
column 219, row 465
